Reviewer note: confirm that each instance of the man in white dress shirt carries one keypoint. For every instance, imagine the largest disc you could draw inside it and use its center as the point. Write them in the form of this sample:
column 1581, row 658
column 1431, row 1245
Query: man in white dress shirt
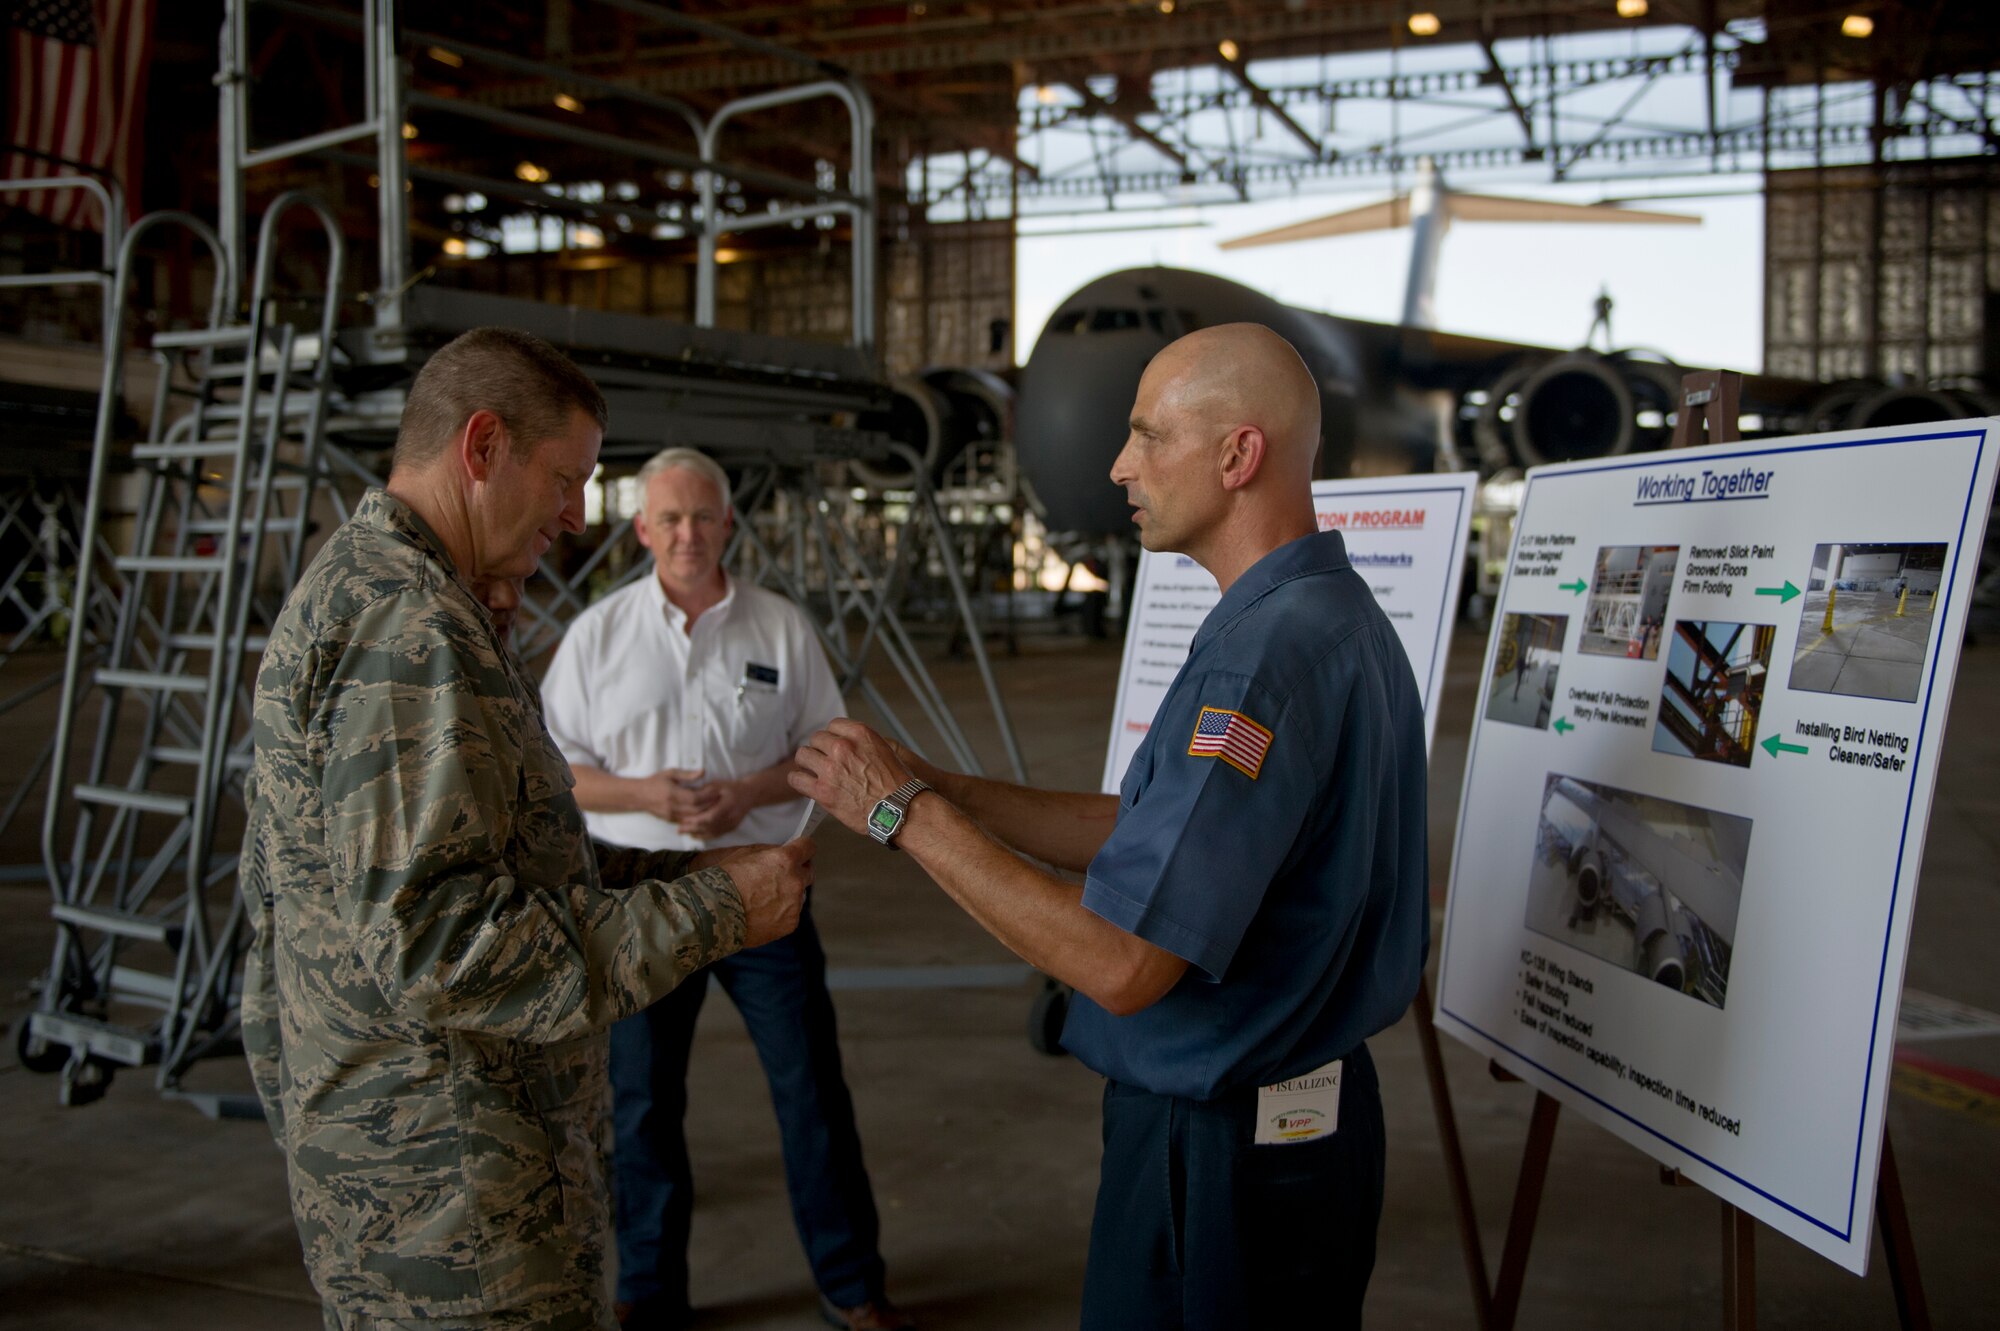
column 679, row 701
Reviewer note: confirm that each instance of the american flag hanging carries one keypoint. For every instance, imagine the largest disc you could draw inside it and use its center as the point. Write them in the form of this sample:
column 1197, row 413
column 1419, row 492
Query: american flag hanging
column 76, row 79
column 1232, row 737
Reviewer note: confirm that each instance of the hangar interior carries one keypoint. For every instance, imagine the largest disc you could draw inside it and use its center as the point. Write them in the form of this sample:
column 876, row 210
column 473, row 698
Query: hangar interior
column 787, row 233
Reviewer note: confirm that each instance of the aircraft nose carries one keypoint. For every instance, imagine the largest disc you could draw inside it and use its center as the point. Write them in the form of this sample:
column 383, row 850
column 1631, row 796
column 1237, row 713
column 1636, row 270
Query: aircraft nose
column 1075, row 405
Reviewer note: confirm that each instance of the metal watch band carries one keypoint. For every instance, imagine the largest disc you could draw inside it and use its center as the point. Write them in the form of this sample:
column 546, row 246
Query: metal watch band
column 898, row 800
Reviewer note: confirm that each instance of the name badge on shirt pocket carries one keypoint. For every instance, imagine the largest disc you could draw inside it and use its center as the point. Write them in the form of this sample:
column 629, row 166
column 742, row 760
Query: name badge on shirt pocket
column 1302, row 1109
column 756, row 679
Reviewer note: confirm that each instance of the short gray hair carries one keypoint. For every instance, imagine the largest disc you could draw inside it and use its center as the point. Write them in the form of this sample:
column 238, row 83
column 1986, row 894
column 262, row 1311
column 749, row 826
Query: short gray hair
column 689, row 459
column 527, row 383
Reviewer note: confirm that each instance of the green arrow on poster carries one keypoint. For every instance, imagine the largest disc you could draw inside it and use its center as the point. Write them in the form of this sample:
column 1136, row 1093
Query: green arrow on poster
column 1577, row 587
column 1784, row 593
column 1563, row 725
column 1775, row 746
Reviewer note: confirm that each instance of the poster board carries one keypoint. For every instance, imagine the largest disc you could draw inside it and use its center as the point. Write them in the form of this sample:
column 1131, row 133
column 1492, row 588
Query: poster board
column 1696, row 794
column 1405, row 534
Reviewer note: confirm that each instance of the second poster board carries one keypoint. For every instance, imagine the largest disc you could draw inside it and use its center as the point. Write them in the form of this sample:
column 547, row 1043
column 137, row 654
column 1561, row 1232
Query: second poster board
column 1405, row 534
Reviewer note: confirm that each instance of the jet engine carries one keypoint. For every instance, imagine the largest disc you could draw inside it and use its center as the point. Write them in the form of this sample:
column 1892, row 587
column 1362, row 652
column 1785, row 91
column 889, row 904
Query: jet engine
column 1588, row 871
column 1663, row 953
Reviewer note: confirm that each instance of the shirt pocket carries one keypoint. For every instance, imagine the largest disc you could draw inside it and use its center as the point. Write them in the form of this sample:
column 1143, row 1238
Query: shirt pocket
column 514, row 1141
column 547, row 822
column 752, row 726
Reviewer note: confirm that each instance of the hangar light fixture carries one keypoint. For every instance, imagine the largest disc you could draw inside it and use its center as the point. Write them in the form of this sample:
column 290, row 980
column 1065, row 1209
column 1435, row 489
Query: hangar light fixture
column 531, row 173
column 444, row 57
column 409, row 130
column 1045, row 93
column 1632, row 8
column 1228, row 49
column 1166, row 6
column 569, row 103
column 454, row 247
column 1857, row 25
column 1424, row 23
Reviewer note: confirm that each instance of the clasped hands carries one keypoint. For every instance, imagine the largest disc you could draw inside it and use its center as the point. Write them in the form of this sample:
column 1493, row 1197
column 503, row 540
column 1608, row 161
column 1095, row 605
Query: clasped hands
column 702, row 810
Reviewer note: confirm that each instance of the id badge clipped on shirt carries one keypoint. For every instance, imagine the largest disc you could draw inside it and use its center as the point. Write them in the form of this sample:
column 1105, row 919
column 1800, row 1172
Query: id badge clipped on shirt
column 1303, row 1109
column 756, row 678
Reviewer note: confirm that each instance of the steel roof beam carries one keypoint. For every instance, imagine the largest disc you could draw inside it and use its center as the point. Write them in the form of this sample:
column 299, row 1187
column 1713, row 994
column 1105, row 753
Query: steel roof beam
column 1265, row 102
column 1190, row 38
column 1130, row 120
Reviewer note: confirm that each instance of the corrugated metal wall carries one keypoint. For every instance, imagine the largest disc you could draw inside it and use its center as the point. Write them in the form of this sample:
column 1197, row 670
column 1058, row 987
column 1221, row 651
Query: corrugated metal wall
column 1874, row 273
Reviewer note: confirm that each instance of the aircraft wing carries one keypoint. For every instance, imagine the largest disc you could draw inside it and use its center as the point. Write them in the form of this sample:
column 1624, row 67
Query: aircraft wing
column 1394, row 212
column 1498, row 208
column 1711, row 890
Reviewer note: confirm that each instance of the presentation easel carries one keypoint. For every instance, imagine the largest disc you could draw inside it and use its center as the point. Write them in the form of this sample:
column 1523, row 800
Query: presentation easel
column 1708, row 414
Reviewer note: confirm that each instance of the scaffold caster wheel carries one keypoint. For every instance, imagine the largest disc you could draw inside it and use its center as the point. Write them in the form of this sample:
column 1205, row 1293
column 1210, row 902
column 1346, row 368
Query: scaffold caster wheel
column 1045, row 1018
column 36, row 1054
column 85, row 1079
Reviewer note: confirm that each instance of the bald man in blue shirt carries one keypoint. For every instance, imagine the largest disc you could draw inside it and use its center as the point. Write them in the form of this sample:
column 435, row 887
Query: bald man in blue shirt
column 1255, row 898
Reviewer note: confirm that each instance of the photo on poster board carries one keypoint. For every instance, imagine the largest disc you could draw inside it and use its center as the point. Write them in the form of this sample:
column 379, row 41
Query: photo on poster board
column 1714, row 692
column 1865, row 620
column 1627, row 609
column 1646, row 883
column 1523, row 689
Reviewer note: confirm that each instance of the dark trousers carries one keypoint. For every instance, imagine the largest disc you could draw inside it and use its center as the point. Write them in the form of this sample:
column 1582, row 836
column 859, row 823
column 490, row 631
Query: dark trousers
column 780, row 989
column 1197, row 1229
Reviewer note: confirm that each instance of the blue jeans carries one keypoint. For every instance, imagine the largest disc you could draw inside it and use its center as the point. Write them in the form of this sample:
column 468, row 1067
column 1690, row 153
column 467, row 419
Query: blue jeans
column 1198, row 1229
column 780, row 989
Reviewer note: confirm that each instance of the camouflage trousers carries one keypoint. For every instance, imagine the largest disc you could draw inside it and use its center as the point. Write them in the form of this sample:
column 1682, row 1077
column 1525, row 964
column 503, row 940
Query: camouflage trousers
column 567, row 1314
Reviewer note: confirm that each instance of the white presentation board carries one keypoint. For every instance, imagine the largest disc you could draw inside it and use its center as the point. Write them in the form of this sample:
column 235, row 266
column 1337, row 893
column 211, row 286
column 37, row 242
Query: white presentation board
column 1404, row 534
column 1696, row 793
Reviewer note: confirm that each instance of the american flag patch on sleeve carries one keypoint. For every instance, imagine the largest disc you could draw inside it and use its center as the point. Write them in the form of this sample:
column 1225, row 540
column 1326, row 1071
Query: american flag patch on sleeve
column 1232, row 737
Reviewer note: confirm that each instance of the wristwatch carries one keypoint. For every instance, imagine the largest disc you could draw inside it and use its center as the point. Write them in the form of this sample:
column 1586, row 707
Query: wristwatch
column 886, row 818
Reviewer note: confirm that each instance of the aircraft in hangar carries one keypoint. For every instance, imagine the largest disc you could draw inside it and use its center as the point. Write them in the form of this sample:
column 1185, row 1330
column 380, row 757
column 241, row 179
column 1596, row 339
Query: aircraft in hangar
column 1395, row 398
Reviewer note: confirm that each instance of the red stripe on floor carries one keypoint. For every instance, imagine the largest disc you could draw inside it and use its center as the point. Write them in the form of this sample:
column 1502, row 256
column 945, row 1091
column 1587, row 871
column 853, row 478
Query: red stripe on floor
column 1966, row 1077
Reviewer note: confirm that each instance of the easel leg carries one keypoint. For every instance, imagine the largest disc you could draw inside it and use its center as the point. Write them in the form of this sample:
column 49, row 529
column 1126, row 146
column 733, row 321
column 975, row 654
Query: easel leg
column 1527, row 1201
column 1911, row 1309
column 1454, row 1159
column 1739, row 1270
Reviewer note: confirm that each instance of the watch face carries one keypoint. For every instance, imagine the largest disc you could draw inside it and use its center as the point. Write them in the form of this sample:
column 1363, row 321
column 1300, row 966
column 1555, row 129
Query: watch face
column 886, row 818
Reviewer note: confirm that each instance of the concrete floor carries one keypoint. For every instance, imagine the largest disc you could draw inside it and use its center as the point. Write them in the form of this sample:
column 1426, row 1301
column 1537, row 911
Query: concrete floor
column 137, row 1212
column 1871, row 652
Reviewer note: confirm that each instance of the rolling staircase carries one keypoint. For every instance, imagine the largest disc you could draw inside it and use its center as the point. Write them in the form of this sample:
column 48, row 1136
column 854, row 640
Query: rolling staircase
column 153, row 729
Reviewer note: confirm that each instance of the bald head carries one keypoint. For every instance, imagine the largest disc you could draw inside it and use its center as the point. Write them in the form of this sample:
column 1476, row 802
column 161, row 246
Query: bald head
column 1218, row 465
column 1233, row 375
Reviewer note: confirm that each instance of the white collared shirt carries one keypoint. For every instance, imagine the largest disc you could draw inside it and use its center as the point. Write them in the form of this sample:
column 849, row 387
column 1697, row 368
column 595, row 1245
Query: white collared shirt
column 632, row 692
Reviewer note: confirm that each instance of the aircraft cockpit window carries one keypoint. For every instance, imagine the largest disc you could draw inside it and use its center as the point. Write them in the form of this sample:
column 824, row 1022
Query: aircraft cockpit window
column 1113, row 321
column 1171, row 324
column 1069, row 321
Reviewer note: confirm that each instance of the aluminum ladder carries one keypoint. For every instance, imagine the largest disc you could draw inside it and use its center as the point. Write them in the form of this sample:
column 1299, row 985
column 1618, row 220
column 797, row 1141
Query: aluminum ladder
column 147, row 952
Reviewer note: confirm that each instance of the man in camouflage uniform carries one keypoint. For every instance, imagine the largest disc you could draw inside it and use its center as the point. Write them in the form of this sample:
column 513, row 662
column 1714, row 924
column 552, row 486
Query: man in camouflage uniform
column 433, row 960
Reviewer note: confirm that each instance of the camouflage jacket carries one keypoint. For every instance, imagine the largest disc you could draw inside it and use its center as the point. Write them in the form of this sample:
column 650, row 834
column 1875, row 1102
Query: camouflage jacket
column 433, row 960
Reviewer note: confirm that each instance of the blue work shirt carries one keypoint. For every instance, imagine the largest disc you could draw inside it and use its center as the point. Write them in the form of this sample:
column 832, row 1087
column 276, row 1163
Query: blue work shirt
column 1286, row 858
